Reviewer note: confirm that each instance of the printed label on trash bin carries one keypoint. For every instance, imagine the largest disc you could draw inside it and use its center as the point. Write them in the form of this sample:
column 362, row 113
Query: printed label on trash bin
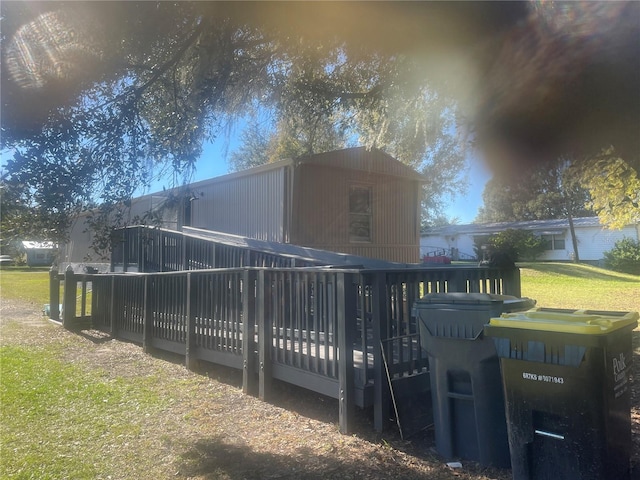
column 620, row 377
column 536, row 377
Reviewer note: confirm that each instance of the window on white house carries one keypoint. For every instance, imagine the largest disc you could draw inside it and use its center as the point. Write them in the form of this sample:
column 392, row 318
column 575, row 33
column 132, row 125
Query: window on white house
column 553, row 242
column 360, row 213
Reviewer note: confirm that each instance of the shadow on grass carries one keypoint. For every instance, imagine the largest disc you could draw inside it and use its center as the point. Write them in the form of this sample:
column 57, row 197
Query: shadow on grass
column 290, row 397
column 95, row 336
column 214, row 458
column 577, row 271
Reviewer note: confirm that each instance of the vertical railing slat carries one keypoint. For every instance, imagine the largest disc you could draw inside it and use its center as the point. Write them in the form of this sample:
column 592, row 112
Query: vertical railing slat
column 346, row 306
column 248, row 331
column 265, row 316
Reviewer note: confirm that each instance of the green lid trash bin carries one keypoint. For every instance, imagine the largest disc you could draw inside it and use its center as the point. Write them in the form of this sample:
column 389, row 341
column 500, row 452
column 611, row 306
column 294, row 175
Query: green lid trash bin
column 466, row 385
column 566, row 383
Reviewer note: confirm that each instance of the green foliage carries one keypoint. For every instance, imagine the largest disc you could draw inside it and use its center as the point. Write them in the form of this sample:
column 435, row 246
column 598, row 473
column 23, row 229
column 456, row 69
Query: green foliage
column 512, row 244
column 543, row 191
column 418, row 128
column 602, row 184
column 261, row 143
column 614, row 187
column 624, row 256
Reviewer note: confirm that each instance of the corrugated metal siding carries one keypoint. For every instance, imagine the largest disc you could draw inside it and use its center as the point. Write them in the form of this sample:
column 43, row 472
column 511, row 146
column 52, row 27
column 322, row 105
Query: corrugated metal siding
column 77, row 248
column 251, row 205
column 321, row 213
column 150, row 203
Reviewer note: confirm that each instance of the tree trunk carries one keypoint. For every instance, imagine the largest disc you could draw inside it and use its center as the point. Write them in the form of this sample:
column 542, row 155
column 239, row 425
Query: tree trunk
column 574, row 240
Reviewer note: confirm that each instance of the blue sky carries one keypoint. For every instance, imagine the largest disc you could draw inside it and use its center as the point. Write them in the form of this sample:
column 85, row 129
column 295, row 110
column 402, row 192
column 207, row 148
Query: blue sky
column 466, row 206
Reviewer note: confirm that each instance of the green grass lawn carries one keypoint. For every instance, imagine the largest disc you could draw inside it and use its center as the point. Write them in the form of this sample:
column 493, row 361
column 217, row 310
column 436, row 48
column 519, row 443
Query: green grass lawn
column 563, row 285
column 29, row 285
column 59, row 421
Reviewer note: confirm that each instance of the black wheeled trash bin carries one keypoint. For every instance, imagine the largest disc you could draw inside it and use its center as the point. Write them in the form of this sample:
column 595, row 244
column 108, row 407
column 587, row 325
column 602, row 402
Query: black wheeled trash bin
column 466, row 385
column 566, row 381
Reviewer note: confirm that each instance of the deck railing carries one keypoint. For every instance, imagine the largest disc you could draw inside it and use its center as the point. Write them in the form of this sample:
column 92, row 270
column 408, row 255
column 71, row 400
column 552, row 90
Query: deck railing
column 145, row 249
column 323, row 329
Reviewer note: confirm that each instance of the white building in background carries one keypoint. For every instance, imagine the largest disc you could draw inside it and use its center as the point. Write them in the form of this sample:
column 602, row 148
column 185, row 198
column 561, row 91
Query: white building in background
column 40, row 254
column 593, row 238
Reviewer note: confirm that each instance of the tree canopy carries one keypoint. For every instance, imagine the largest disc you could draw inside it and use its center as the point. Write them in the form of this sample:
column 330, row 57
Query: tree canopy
column 543, row 191
column 602, row 184
column 614, row 188
column 98, row 97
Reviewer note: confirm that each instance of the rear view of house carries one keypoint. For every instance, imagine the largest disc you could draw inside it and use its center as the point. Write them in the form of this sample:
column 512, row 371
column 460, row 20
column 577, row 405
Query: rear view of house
column 355, row 201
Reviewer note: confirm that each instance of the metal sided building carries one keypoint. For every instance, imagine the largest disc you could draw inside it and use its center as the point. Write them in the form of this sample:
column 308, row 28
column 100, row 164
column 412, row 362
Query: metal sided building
column 355, row 201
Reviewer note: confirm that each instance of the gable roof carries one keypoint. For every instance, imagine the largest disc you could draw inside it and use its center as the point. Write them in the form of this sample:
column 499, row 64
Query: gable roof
column 362, row 159
column 555, row 226
column 357, row 158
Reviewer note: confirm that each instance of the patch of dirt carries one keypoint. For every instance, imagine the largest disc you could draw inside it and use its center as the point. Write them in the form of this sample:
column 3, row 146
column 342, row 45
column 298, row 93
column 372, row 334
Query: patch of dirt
column 211, row 430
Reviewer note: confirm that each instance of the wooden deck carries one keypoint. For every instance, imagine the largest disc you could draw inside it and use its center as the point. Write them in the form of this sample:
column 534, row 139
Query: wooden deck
column 345, row 333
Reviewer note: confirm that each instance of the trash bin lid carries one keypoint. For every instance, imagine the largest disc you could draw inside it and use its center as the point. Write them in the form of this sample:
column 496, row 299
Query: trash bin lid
column 461, row 298
column 584, row 322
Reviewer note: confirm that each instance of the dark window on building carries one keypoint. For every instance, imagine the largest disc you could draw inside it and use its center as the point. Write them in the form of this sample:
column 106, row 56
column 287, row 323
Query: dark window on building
column 553, row 242
column 188, row 204
column 360, row 213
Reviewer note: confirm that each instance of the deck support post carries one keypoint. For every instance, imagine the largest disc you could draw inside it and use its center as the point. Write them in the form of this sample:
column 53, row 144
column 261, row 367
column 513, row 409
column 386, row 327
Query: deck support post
column 141, row 250
column 265, row 334
column 191, row 359
column 147, row 320
column 113, row 325
column 125, row 249
column 249, row 370
column 347, row 312
column 161, row 252
column 96, row 315
column 459, row 282
column 511, row 282
column 69, row 299
column 54, row 294
column 380, row 318
column 183, row 253
column 83, row 299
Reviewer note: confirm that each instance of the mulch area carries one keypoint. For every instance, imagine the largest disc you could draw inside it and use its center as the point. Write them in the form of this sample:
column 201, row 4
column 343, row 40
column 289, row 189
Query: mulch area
column 212, row 431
